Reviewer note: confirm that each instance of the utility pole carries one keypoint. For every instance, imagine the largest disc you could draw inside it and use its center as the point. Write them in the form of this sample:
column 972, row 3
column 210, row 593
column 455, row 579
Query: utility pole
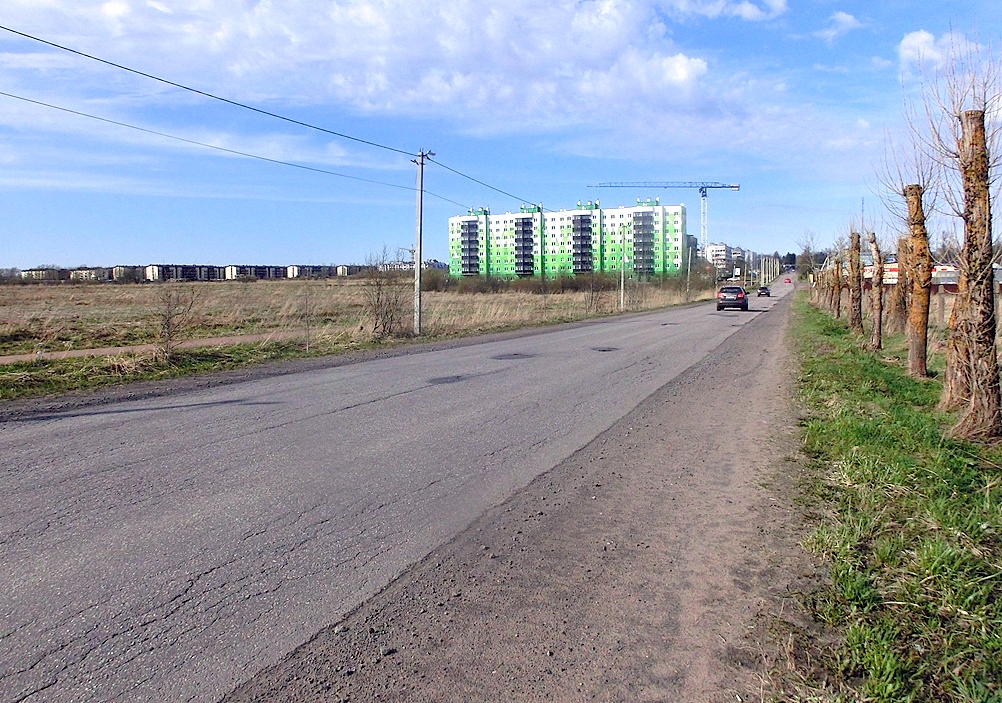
column 417, row 243
column 622, row 269
column 688, row 275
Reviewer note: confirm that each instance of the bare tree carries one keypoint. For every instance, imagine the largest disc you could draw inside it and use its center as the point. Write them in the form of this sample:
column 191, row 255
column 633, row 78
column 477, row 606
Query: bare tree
column 920, row 276
column 806, row 261
column 910, row 178
column 855, row 285
column 963, row 110
column 174, row 311
column 984, row 413
column 385, row 295
column 897, row 299
column 876, row 293
column 837, row 283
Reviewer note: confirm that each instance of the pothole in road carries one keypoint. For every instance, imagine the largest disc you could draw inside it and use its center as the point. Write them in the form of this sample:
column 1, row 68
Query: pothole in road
column 605, row 349
column 446, row 379
column 512, row 356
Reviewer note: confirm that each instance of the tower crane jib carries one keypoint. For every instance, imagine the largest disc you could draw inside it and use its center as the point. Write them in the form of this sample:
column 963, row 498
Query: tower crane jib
column 702, row 186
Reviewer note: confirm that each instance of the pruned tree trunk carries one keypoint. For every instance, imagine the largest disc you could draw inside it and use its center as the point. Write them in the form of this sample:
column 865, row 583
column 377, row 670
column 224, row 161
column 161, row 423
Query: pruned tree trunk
column 983, row 418
column 855, row 286
column 956, row 377
column 897, row 299
column 829, row 301
column 837, row 289
column 876, row 294
column 830, row 289
column 920, row 278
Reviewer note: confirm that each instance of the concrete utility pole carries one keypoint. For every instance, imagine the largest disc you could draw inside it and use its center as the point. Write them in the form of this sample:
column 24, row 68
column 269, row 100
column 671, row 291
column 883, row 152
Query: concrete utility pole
column 622, row 269
column 417, row 243
column 688, row 274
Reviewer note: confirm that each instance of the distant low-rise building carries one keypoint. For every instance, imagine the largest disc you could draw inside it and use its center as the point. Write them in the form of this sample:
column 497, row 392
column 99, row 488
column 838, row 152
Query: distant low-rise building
column 310, row 271
column 233, row 273
column 161, row 272
column 397, row 266
column 175, row 272
column 127, row 274
column 47, row 275
column 86, row 274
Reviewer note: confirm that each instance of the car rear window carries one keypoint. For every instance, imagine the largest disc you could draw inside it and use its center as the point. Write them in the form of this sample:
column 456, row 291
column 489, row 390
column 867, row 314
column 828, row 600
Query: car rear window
column 731, row 289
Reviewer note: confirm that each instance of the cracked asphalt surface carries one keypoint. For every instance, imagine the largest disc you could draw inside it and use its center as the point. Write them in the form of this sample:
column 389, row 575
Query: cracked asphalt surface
column 171, row 548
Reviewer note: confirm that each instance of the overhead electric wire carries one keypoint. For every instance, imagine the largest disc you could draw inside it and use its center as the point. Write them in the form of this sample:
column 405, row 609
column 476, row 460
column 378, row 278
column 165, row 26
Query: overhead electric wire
column 225, row 149
column 253, row 109
column 206, row 94
column 475, row 180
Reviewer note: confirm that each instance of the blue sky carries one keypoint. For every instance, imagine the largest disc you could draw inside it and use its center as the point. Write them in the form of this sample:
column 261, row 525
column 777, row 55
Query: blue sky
column 790, row 99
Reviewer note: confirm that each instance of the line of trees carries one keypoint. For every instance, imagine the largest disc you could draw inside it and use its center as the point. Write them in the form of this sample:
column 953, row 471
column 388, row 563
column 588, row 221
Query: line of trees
column 950, row 157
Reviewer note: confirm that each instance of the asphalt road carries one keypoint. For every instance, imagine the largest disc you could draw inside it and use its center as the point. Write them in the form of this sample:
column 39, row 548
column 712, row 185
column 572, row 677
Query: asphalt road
column 168, row 549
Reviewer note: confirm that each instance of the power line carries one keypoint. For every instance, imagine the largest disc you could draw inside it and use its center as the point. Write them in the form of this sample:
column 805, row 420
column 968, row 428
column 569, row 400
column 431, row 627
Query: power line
column 251, row 108
column 475, row 180
column 246, row 107
column 224, row 149
column 204, row 93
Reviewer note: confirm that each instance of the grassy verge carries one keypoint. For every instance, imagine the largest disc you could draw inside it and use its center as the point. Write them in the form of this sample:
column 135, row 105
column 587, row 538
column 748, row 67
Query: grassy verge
column 44, row 377
column 910, row 527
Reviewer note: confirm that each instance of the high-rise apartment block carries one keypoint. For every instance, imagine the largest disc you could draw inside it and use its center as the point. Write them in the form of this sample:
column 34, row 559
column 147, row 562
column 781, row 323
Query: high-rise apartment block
column 648, row 239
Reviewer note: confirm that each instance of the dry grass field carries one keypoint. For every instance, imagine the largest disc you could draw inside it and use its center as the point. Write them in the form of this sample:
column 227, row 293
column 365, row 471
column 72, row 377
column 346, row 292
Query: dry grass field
column 35, row 319
column 42, row 318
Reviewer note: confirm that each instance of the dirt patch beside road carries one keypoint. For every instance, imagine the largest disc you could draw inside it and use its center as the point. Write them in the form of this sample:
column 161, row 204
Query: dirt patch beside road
column 645, row 567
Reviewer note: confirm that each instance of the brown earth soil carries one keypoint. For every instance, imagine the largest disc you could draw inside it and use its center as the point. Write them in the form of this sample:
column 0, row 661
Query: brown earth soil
column 658, row 563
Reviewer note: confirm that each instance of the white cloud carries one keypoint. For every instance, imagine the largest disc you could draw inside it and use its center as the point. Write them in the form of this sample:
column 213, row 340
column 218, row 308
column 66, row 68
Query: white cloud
column 649, row 75
column 839, row 24
column 744, row 9
column 921, row 49
column 115, row 9
column 516, row 62
column 597, row 76
column 821, row 68
column 918, row 48
column 40, row 61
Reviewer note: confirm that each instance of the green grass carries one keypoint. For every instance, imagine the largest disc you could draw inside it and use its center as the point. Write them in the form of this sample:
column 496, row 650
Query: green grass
column 910, row 527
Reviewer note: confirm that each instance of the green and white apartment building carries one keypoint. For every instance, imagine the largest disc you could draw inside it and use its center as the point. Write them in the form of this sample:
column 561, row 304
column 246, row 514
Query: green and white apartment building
column 648, row 239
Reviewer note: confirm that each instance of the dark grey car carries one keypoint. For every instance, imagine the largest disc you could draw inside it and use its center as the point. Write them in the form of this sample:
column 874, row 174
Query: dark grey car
column 732, row 297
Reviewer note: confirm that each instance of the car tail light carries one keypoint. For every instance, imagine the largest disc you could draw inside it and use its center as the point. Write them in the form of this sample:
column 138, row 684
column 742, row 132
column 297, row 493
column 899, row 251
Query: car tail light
column 741, row 295
column 720, row 295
